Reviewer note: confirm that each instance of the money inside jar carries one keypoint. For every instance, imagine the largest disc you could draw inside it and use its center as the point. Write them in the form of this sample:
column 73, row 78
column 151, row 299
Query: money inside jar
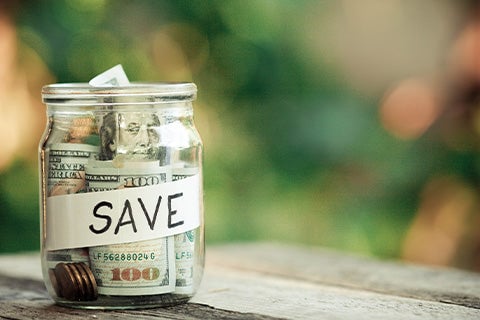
column 103, row 245
column 135, row 268
column 66, row 175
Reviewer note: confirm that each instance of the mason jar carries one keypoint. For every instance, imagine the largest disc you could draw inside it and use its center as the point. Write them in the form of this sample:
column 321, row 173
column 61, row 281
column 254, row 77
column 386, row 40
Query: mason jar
column 121, row 197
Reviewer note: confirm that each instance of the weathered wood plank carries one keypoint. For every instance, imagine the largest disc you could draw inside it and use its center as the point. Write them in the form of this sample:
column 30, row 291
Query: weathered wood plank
column 266, row 281
column 283, row 297
column 232, row 294
column 45, row 310
column 333, row 268
column 28, row 310
column 26, row 299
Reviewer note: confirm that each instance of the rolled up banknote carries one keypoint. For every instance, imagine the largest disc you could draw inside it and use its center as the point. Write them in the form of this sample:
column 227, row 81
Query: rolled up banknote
column 66, row 167
column 113, row 77
column 55, row 257
column 184, row 245
column 131, row 134
column 133, row 268
column 66, row 175
column 107, row 122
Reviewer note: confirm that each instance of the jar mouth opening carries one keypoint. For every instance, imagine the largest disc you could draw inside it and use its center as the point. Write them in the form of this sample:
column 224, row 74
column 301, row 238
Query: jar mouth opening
column 135, row 92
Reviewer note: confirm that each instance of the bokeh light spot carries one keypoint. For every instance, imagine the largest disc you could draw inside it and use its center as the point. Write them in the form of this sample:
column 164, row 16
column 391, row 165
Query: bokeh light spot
column 409, row 109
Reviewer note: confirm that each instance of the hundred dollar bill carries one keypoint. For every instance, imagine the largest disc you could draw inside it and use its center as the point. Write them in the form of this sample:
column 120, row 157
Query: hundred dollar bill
column 66, row 175
column 134, row 268
column 116, row 174
column 184, row 246
column 131, row 134
column 66, row 167
column 108, row 122
column 184, row 262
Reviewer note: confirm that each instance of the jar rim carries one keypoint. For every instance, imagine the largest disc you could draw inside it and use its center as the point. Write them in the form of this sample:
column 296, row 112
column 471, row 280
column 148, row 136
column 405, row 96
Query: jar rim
column 140, row 92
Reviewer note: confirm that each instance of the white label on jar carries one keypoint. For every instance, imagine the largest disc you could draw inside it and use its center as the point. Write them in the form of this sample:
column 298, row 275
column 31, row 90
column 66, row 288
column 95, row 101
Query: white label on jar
column 123, row 215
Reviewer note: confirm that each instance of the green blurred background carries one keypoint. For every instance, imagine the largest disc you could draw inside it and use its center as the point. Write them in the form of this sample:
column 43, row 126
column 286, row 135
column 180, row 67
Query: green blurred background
column 346, row 124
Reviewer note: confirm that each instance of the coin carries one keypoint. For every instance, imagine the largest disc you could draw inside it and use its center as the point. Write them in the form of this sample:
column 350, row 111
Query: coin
column 81, row 291
column 66, row 282
column 88, row 280
column 74, row 281
column 53, row 280
column 85, row 285
column 93, row 281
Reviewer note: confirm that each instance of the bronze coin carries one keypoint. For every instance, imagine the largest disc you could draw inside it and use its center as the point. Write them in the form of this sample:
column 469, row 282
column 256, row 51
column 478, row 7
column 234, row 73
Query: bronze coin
column 91, row 279
column 85, row 282
column 66, row 282
column 54, row 282
column 81, row 288
column 90, row 286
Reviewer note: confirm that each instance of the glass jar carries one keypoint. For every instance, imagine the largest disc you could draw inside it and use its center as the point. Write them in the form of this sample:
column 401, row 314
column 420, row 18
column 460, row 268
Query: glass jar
column 121, row 197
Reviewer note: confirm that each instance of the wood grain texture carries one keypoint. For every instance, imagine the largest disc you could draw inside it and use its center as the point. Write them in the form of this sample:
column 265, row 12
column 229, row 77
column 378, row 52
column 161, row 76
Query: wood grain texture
column 273, row 281
column 333, row 268
column 27, row 299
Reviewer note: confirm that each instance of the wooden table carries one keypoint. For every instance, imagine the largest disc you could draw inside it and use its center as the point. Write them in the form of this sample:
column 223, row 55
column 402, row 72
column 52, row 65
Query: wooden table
column 271, row 281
